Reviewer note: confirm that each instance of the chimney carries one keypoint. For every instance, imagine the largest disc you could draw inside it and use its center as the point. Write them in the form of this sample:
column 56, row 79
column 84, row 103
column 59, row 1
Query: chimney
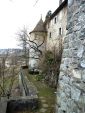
column 60, row 2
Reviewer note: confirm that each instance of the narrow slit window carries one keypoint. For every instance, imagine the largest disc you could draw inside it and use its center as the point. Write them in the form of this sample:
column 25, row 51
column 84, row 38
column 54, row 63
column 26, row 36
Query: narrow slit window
column 55, row 20
column 50, row 35
column 60, row 31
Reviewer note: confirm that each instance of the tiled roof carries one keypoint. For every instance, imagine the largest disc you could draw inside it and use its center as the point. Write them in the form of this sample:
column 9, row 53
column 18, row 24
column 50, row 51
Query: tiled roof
column 39, row 27
column 62, row 5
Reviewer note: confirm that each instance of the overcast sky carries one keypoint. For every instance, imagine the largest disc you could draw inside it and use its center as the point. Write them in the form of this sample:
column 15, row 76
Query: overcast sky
column 14, row 14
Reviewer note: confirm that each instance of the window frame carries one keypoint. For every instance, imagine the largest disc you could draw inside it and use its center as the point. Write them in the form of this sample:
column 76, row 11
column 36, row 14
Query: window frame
column 55, row 20
column 50, row 35
column 60, row 31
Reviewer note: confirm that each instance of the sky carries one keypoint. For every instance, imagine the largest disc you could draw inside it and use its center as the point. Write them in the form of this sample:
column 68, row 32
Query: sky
column 15, row 14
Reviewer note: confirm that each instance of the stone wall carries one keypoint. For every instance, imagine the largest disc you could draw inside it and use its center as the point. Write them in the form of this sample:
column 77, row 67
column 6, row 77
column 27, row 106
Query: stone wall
column 24, row 104
column 71, row 89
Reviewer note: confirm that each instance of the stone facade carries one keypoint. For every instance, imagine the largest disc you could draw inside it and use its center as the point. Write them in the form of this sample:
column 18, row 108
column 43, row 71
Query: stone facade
column 56, row 32
column 58, row 22
column 71, row 89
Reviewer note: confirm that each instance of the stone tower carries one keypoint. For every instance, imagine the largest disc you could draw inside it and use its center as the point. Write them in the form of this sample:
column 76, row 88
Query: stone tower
column 38, row 35
column 71, row 89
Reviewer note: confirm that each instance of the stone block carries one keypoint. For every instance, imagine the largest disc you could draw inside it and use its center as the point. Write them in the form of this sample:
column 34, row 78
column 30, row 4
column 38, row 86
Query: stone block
column 82, row 63
column 61, row 74
column 59, row 110
column 83, row 75
column 69, row 103
column 80, row 103
column 63, row 67
column 58, row 100
column 67, row 91
column 66, row 40
column 66, row 79
column 75, row 93
column 77, row 28
column 61, row 85
column 66, row 53
column 76, row 73
column 66, row 45
column 63, row 105
column 74, row 107
column 70, row 30
column 67, row 61
column 73, row 52
column 80, row 52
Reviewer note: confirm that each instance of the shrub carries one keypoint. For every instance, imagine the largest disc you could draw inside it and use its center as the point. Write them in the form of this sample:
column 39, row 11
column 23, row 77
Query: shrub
column 39, row 77
column 33, row 72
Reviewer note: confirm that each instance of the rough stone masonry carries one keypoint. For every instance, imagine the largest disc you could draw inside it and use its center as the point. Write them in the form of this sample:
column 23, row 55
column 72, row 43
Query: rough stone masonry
column 71, row 89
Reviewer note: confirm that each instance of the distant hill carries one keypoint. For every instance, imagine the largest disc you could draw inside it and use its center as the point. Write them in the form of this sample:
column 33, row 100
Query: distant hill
column 4, row 51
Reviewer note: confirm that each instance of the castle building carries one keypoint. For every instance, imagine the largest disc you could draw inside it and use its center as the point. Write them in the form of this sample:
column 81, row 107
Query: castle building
column 52, row 30
column 68, row 23
column 56, row 26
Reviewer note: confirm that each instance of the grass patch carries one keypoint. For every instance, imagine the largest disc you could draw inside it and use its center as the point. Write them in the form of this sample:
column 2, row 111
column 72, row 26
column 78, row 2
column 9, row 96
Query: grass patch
column 8, row 84
column 44, row 91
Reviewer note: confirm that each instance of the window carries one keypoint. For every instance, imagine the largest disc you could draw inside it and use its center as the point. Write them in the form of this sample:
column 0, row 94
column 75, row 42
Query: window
column 55, row 20
column 60, row 31
column 50, row 35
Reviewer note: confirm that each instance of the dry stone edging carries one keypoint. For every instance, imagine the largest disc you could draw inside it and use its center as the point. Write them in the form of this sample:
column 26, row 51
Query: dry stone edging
column 3, row 105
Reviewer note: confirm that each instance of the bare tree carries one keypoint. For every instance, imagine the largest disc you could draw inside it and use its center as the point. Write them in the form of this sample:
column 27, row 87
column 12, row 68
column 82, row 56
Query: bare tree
column 50, row 63
column 29, row 45
column 23, row 43
column 13, row 72
column 3, row 71
column 7, row 74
